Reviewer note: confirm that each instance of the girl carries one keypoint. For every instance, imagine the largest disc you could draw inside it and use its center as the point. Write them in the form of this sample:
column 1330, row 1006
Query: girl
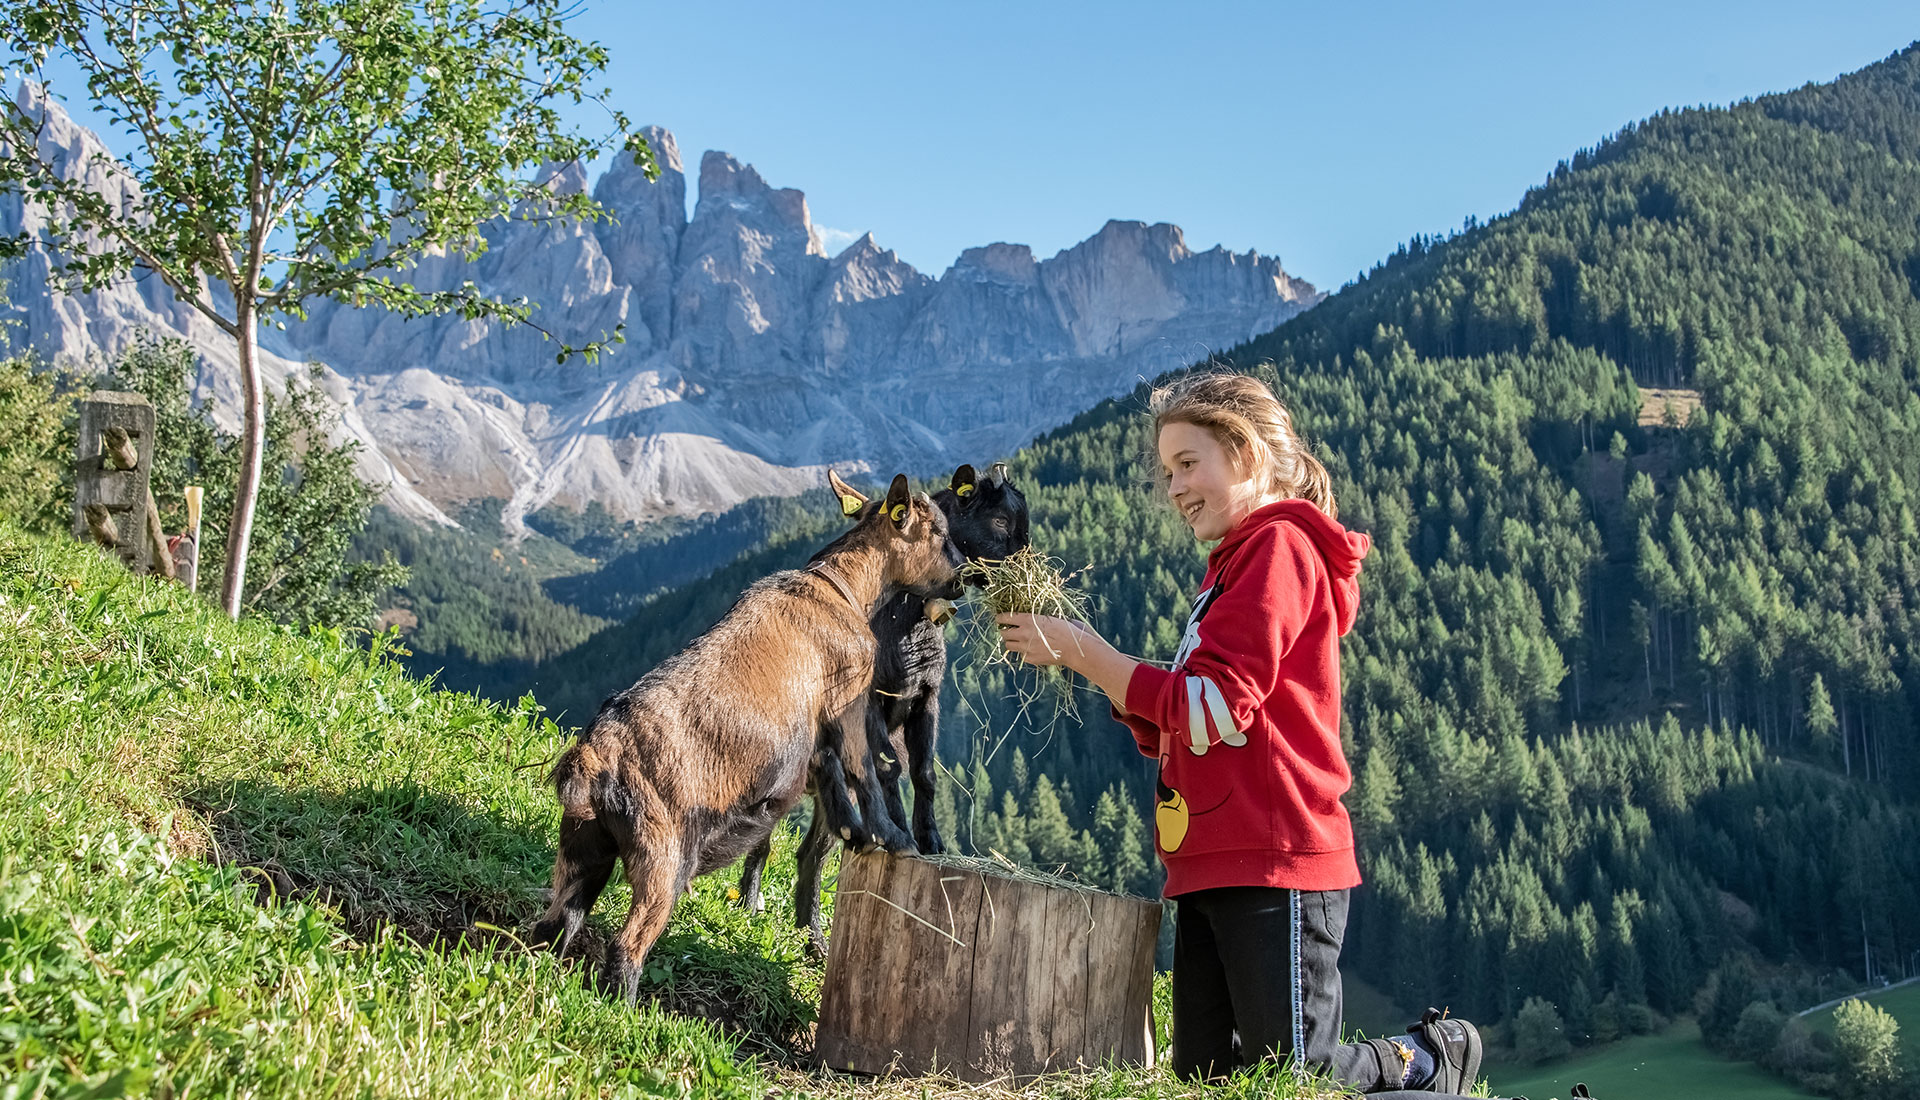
column 1246, row 726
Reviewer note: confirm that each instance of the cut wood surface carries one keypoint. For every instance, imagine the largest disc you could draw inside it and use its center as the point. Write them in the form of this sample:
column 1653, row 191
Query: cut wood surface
column 951, row 966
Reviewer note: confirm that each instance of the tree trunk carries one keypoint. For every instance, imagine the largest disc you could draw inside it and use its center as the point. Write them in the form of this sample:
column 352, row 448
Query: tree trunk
column 984, row 976
column 253, row 438
column 1846, row 739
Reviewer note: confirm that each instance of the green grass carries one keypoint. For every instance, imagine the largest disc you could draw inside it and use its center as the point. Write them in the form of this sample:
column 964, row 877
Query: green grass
column 1903, row 1004
column 1673, row 1063
column 239, row 861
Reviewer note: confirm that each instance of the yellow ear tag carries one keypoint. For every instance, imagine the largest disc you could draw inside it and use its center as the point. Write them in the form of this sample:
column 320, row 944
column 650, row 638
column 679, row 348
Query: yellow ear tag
column 964, row 490
column 898, row 513
column 850, row 505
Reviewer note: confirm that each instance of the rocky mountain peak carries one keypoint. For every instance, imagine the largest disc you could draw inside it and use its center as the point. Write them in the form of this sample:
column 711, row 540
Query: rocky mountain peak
column 751, row 360
column 999, row 262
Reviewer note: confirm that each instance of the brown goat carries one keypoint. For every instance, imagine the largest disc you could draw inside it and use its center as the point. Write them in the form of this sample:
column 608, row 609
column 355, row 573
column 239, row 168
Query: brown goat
column 686, row 770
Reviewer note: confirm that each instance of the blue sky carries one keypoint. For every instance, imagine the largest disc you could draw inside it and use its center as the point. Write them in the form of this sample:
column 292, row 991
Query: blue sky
column 1325, row 134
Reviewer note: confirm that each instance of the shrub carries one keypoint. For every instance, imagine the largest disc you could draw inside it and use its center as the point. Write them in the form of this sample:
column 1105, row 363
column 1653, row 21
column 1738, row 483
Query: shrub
column 1538, row 1034
column 1758, row 1030
column 36, row 444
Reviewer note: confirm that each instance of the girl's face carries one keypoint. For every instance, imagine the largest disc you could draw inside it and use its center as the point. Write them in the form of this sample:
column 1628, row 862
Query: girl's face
column 1211, row 486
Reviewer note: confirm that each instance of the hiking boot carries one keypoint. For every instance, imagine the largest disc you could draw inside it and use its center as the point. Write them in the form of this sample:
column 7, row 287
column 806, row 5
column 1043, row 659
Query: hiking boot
column 1456, row 1050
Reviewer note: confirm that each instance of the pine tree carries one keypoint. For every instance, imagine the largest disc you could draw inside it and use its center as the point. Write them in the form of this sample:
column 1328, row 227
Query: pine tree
column 1821, row 722
column 1050, row 836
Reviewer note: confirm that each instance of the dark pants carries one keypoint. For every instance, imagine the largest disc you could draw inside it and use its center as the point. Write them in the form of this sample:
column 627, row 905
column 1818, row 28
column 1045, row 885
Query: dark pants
column 1263, row 963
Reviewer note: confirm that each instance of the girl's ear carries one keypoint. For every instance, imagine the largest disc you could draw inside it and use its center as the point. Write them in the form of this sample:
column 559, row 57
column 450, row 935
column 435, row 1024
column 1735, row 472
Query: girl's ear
column 1245, row 460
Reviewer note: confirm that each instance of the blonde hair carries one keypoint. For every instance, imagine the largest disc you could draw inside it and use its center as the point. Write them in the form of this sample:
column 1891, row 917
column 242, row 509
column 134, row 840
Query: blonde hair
column 1247, row 419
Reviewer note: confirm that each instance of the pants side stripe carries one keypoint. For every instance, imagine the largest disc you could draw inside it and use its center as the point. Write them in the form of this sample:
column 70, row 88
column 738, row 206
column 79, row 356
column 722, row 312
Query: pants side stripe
column 1298, row 987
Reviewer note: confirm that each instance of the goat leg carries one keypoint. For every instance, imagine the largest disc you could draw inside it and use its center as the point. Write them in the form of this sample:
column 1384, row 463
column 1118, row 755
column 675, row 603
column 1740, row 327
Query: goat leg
column 887, row 755
column 580, row 872
column 657, row 879
column 834, row 802
column 886, row 836
column 922, row 731
column 750, row 872
column 806, row 886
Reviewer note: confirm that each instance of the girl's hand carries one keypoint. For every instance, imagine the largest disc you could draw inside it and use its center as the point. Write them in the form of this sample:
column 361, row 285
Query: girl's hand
column 1045, row 640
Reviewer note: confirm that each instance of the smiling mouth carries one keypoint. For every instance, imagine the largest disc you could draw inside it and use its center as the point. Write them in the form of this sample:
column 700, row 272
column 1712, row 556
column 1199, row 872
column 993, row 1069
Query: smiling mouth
column 1193, row 510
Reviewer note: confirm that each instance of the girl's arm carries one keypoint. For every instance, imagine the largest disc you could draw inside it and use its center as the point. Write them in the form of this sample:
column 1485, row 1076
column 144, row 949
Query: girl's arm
column 1045, row 640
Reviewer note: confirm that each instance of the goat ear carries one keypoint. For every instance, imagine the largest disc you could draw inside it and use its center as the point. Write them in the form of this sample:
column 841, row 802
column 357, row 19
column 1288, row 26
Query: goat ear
column 899, row 501
column 851, row 499
column 963, row 481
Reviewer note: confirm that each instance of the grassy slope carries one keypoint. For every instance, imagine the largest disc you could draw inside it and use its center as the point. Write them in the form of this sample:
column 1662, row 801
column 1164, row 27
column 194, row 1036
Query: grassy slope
column 1672, row 1063
column 239, row 861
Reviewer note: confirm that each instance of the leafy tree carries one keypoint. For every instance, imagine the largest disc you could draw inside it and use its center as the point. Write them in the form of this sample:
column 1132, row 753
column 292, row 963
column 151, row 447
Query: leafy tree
column 311, row 503
column 1866, row 1043
column 287, row 151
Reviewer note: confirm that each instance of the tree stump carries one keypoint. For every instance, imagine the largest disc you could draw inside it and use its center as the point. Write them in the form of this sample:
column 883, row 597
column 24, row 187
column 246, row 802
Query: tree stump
column 980, row 975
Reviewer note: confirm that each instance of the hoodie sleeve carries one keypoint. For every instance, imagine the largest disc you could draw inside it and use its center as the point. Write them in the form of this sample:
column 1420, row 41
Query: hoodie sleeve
column 1267, row 593
column 1146, row 735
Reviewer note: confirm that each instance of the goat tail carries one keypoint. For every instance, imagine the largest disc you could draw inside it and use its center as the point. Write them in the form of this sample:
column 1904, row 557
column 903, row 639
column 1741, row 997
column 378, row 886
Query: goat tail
column 572, row 779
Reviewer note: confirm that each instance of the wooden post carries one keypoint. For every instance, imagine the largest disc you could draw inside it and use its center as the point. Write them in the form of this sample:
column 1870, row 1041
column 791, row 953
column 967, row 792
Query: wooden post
column 186, row 552
column 934, row 966
column 112, row 425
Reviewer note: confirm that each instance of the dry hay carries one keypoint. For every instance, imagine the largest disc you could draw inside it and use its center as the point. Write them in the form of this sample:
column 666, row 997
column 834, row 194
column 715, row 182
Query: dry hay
column 1028, row 582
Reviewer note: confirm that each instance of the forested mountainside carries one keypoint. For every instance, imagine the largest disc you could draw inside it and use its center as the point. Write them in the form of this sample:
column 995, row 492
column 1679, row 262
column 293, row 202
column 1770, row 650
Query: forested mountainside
column 1632, row 693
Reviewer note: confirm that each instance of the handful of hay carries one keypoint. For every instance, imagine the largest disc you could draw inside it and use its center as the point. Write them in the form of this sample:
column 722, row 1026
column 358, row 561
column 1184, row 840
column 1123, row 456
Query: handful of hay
column 1024, row 582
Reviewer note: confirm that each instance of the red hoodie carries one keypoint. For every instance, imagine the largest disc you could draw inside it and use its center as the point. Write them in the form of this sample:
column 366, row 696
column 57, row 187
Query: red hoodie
column 1247, row 723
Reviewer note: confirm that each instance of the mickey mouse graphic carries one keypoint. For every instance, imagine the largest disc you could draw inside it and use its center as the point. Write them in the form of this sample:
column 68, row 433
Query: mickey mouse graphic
column 1171, row 814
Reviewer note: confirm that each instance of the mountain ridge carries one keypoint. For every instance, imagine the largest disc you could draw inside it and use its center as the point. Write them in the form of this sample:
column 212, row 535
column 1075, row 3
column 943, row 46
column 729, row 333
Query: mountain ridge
column 752, row 359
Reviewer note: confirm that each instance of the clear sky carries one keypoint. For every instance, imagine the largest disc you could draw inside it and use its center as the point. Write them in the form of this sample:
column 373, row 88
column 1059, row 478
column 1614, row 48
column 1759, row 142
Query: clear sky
column 1323, row 133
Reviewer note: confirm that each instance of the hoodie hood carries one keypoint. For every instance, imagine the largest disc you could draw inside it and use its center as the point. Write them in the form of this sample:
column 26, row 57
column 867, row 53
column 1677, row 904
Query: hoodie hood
column 1340, row 548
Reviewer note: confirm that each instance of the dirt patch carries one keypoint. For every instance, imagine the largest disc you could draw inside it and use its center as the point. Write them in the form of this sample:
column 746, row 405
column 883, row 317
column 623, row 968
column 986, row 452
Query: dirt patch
column 401, row 617
column 1657, row 404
